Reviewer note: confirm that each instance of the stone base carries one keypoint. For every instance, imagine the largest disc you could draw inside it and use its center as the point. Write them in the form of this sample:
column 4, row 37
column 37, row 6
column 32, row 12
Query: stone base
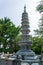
column 25, row 54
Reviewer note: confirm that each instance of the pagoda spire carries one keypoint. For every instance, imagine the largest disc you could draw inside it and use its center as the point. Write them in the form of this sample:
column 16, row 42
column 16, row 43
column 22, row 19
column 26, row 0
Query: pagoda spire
column 25, row 8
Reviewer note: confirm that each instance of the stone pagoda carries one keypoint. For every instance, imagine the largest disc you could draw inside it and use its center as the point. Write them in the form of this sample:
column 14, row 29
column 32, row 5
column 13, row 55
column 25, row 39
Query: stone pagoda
column 25, row 30
column 25, row 45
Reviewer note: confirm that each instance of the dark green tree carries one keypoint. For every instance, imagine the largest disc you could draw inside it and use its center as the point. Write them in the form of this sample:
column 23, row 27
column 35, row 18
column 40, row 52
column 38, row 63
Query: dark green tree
column 8, row 34
column 38, row 48
column 39, row 8
column 37, row 44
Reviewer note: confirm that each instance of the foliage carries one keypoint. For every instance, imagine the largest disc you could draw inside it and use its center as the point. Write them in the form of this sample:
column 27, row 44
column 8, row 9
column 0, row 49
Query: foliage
column 39, row 31
column 40, row 8
column 42, row 49
column 8, row 34
column 38, row 40
column 37, row 44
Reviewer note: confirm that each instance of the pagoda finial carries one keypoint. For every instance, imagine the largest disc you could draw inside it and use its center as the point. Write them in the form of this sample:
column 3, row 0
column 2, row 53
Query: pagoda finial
column 25, row 8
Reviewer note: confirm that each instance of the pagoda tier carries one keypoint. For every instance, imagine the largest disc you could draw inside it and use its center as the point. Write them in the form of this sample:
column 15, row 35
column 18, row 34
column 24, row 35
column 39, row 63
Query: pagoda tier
column 26, row 32
column 25, row 37
column 24, row 21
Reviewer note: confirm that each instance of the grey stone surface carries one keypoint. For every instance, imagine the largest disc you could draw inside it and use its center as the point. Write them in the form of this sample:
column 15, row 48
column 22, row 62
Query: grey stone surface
column 7, row 62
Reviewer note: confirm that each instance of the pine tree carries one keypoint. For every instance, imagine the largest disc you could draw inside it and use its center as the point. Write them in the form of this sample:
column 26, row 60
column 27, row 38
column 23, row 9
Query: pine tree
column 8, row 35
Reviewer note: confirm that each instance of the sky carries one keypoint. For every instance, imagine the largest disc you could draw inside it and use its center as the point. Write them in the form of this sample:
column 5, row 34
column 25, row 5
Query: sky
column 13, row 9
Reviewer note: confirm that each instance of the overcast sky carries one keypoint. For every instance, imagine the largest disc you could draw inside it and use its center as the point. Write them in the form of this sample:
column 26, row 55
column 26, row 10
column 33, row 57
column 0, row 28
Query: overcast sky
column 14, row 9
